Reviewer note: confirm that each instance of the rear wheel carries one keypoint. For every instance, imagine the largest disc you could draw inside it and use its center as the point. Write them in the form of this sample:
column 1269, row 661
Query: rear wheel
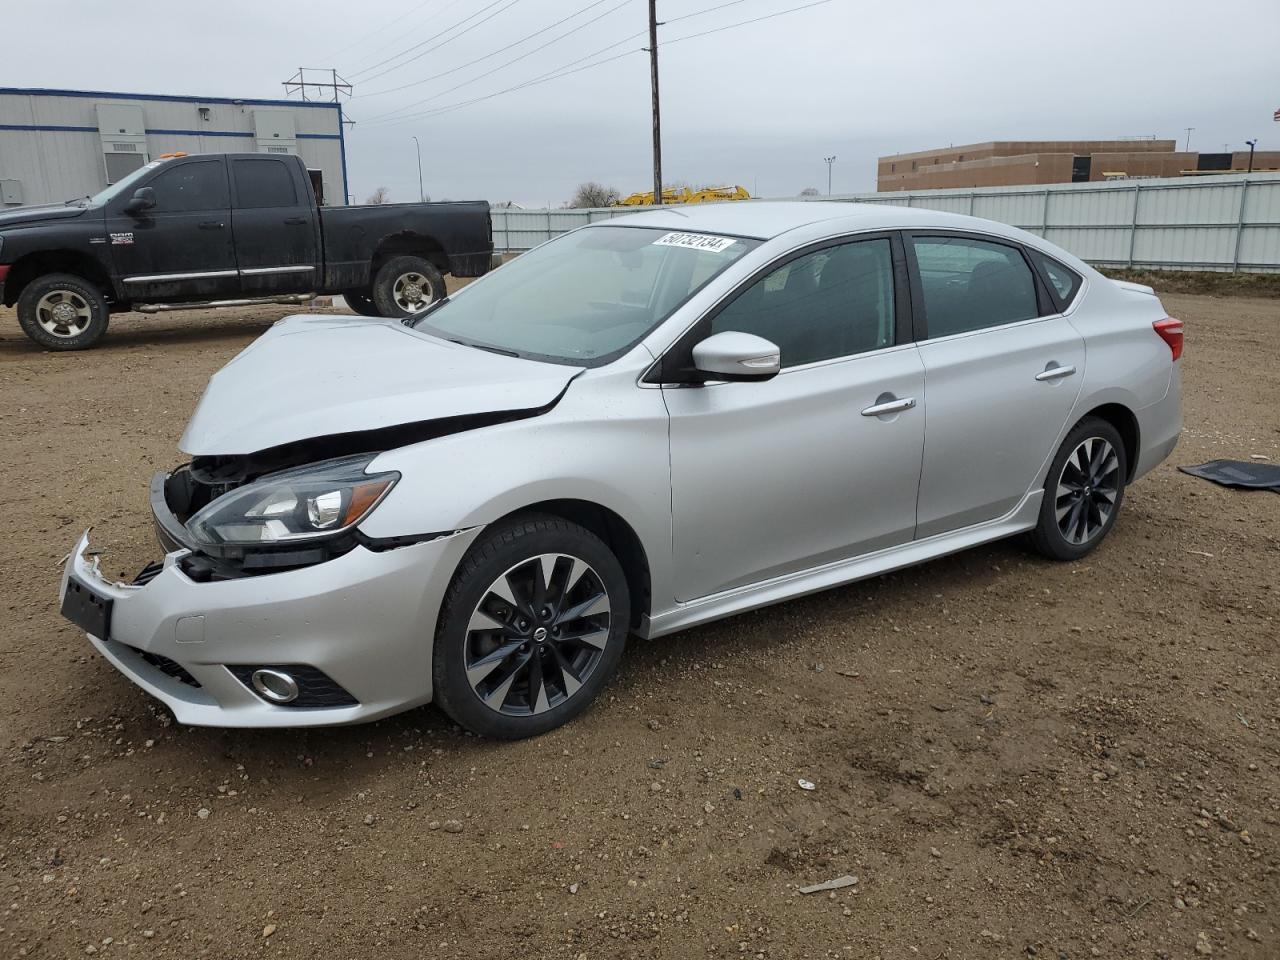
column 61, row 311
column 360, row 302
column 1083, row 491
column 406, row 285
column 532, row 627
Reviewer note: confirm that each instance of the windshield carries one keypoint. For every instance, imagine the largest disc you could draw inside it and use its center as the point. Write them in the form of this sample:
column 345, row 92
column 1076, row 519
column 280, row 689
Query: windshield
column 586, row 297
column 120, row 186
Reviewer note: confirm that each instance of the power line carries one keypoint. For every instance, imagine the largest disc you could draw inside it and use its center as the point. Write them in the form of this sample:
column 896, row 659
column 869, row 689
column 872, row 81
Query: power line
column 503, row 66
column 563, row 71
column 743, row 23
column 381, row 29
column 435, row 36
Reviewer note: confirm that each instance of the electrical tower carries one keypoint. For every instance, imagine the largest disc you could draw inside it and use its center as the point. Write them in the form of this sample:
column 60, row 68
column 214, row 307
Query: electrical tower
column 317, row 84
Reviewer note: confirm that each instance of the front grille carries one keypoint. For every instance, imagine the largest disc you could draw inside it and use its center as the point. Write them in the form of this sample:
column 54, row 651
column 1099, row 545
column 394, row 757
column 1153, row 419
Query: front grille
column 148, row 573
column 316, row 689
column 168, row 667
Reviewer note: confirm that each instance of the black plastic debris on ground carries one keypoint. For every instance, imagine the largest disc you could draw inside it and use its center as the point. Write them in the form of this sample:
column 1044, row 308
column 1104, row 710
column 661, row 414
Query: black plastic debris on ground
column 1245, row 474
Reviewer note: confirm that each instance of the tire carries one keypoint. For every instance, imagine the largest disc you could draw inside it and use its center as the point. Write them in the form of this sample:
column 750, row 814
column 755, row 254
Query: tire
column 61, row 311
column 1083, row 491
column 360, row 302
column 405, row 286
column 543, row 679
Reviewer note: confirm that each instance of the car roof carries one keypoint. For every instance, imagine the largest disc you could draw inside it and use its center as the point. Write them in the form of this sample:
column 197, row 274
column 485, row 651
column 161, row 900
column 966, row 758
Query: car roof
column 766, row 219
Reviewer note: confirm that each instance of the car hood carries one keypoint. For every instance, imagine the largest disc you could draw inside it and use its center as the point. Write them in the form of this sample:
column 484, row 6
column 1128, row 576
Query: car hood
column 322, row 376
column 20, row 216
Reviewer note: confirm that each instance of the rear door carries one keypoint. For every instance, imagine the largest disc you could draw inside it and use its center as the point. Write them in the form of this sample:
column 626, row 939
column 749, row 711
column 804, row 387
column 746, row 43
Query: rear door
column 1002, row 371
column 181, row 248
column 276, row 227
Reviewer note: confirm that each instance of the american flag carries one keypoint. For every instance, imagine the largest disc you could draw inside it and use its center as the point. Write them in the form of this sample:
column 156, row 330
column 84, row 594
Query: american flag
column 1276, row 116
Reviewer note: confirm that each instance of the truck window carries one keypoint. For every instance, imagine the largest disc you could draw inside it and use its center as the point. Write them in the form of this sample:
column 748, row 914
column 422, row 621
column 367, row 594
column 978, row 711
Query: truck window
column 196, row 185
column 264, row 183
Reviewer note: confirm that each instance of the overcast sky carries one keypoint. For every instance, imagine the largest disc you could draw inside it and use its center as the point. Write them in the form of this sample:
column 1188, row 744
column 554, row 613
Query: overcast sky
column 759, row 105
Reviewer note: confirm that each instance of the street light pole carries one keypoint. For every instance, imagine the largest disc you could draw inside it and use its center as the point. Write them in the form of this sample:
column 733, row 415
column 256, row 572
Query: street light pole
column 421, row 195
column 829, row 161
column 1252, row 143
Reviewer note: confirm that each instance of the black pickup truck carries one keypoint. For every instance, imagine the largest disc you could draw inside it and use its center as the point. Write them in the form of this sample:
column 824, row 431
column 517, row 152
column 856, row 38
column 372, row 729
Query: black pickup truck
column 226, row 229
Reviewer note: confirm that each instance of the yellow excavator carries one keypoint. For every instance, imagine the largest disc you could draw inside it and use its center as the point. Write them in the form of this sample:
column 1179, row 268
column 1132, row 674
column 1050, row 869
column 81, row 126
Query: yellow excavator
column 685, row 195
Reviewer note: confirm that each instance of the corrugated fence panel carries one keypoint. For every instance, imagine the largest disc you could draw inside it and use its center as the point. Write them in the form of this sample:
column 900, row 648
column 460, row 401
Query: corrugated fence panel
column 1194, row 203
column 1092, row 244
column 1191, row 224
column 1199, row 246
column 1091, row 208
column 1260, row 249
column 1019, row 209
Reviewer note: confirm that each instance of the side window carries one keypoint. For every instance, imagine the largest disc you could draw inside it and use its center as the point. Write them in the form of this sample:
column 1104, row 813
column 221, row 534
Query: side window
column 971, row 284
column 264, row 183
column 834, row 302
column 198, row 185
column 1065, row 281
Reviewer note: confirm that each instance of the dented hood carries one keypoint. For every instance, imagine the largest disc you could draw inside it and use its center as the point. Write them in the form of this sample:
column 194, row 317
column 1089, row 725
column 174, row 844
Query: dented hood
column 314, row 376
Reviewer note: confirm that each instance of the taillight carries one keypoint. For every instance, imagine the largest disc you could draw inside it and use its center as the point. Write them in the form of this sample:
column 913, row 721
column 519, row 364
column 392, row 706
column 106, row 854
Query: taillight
column 1170, row 331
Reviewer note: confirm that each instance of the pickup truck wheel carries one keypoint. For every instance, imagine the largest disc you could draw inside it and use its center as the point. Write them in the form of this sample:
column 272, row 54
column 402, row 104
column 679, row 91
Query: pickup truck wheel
column 405, row 286
column 61, row 311
column 360, row 302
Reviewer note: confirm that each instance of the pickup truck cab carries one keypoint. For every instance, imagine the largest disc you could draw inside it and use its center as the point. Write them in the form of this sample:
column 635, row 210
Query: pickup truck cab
column 226, row 229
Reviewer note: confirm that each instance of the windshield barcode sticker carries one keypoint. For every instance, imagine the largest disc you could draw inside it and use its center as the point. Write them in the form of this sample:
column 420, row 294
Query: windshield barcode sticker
column 695, row 241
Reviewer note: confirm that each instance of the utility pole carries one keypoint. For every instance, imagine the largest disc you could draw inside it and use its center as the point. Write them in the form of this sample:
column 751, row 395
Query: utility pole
column 1252, row 143
column 657, row 120
column 1188, row 146
column 421, row 195
column 829, row 161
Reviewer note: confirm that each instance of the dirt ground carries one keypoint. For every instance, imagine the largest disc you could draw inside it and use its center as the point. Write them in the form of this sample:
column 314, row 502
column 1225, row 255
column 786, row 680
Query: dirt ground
column 1015, row 758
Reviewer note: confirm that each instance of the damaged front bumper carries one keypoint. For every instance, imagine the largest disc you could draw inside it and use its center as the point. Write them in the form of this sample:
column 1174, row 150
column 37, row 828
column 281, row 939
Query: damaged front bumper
column 358, row 629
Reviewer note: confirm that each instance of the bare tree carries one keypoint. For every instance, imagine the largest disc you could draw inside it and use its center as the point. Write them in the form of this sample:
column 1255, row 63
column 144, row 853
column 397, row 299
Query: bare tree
column 809, row 192
column 379, row 196
column 592, row 194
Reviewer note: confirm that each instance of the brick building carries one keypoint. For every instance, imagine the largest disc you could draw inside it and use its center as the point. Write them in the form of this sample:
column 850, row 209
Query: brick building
column 1005, row 163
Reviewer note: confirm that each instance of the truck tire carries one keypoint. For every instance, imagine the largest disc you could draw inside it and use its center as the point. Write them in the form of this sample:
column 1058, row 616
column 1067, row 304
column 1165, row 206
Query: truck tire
column 360, row 302
column 405, row 286
column 61, row 311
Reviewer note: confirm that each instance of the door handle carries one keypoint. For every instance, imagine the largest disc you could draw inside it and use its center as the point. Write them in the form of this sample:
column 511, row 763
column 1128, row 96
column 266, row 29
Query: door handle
column 1055, row 372
column 295, row 221
column 211, row 224
column 889, row 406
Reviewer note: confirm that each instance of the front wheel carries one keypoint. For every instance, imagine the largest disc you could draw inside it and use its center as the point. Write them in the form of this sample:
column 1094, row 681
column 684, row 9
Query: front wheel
column 1083, row 491
column 531, row 629
column 61, row 311
column 406, row 285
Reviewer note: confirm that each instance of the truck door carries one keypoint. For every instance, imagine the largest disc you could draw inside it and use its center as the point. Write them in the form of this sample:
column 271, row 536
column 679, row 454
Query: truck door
column 180, row 250
column 276, row 227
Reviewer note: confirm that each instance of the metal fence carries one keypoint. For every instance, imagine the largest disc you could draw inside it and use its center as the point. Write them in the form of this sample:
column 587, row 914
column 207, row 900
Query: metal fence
column 1226, row 223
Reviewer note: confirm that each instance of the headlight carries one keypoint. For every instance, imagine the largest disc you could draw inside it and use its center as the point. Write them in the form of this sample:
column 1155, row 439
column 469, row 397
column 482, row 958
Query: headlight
column 307, row 503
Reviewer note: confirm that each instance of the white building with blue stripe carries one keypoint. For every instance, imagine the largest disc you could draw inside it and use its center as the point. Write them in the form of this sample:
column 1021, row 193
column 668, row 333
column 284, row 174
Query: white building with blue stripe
column 56, row 145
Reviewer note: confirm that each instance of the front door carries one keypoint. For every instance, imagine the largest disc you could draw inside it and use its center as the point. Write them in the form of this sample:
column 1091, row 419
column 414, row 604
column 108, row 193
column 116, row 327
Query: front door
column 1003, row 371
column 276, row 228
column 180, row 249
column 774, row 477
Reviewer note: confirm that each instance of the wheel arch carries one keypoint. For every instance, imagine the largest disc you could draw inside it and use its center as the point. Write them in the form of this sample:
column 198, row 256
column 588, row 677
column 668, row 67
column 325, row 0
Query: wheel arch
column 39, row 263
column 411, row 243
column 618, row 536
column 1126, row 424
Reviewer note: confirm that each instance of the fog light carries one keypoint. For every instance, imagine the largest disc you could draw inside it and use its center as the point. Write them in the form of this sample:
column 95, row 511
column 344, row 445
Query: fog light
column 274, row 685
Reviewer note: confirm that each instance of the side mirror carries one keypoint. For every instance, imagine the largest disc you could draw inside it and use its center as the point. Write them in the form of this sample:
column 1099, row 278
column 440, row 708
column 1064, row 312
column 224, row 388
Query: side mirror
column 144, row 198
column 732, row 355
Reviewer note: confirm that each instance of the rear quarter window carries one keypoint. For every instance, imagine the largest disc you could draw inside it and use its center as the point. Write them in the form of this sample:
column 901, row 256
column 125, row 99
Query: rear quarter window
column 1063, row 281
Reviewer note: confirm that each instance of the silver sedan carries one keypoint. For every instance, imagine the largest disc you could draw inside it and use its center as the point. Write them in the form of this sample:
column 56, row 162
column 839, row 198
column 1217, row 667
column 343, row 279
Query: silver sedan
column 646, row 424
